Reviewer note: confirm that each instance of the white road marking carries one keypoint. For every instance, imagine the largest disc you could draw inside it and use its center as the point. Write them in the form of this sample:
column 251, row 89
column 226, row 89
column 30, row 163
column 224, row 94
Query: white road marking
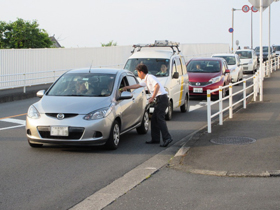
column 11, row 120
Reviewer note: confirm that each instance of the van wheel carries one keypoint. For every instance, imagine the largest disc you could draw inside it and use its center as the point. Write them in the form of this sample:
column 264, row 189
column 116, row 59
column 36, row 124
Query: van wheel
column 144, row 127
column 185, row 106
column 114, row 138
column 168, row 116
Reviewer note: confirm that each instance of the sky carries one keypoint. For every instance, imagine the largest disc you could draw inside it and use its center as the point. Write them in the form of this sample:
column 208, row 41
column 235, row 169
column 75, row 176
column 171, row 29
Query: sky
column 88, row 23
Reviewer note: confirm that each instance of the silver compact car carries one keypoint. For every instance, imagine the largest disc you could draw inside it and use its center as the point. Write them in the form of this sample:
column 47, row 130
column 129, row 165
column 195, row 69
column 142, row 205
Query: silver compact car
column 85, row 107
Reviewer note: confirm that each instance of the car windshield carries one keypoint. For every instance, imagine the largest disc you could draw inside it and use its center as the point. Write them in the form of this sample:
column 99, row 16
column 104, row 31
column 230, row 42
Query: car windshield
column 277, row 48
column 203, row 66
column 229, row 59
column 265, row 49
column 244, row 54
column 86, row 84
column 156, row 66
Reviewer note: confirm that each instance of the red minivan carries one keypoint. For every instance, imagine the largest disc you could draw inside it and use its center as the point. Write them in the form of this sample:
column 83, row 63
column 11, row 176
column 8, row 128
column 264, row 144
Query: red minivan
column 207, row 73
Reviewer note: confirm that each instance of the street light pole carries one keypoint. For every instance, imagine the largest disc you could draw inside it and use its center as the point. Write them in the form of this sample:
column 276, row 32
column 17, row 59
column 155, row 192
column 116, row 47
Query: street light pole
column 232, row 35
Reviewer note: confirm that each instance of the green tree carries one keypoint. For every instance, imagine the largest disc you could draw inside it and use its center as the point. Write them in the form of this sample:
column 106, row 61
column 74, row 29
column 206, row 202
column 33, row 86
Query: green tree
column 109, row 44
column 23, row 34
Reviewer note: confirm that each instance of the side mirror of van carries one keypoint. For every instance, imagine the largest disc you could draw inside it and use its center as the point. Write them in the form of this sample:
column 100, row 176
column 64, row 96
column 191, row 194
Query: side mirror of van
column 175, row 75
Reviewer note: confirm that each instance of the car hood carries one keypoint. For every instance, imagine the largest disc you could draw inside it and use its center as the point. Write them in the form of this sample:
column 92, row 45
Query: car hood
column 78, row 105
column 232, row 67
column 202, row 77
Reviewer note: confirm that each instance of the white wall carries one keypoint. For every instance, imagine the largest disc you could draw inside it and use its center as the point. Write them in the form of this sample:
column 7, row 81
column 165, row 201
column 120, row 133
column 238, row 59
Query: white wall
column 26, row 67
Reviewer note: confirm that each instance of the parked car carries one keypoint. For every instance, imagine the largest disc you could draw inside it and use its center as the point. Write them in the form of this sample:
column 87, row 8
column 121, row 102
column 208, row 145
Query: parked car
column 85, row 107
column 276, row 49
column 265, row 53
column 234, row 65
column 208, row 73
column 249, row 60
column 168, row 65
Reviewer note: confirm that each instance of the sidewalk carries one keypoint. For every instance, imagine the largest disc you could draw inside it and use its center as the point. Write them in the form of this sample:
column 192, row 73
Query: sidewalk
column 18, row 94
column 246, row 145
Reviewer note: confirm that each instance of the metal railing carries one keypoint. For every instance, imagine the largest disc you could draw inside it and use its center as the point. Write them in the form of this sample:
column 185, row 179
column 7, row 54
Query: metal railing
column 256, row 86
column 37, row 78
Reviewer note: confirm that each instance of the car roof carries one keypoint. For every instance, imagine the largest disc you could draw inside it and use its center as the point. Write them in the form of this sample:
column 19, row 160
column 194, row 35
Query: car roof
column 207, row 59
column 98, row 71
column 153, row 54
column 244, row 50
column 225, row 54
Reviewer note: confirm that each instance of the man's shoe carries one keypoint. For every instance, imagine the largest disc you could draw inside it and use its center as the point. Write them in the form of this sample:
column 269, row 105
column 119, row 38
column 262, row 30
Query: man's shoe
column 152, row 142
column 165, row 144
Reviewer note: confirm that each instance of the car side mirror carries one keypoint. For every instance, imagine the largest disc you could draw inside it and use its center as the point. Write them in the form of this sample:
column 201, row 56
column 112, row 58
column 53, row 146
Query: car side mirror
column 125, row 95
column 175, row 75
column 228, row 71
column 40, row 93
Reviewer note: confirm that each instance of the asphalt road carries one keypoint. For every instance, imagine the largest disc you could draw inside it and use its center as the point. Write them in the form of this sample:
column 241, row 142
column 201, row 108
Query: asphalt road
column 58, row 177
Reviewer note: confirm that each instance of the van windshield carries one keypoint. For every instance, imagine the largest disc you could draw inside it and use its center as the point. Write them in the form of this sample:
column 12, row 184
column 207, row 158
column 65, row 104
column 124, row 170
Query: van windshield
column 156, row 66
column 244, row 54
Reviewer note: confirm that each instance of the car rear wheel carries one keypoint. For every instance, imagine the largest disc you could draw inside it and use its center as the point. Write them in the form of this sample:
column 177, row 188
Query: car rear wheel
column 168, row 116
column 144, row 127
column 185, row 106
column 114, row 138
column 34, row 145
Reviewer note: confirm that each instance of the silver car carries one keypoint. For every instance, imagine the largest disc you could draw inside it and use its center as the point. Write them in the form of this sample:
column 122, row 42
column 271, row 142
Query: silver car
column 85, row 107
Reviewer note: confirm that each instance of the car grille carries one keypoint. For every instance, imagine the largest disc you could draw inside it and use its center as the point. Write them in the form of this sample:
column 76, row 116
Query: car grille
column 74, row 133
column 65, row 115
column 199, row 83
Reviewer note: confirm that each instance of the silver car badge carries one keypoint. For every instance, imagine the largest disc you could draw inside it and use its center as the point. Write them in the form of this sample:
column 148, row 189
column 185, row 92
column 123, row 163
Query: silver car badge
column 197, row 84
column 60, row 116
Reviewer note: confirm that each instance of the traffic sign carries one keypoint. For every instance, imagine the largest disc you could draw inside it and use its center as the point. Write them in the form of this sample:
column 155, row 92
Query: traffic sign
column 245, row 8
column 254, row 9
column 230, row 30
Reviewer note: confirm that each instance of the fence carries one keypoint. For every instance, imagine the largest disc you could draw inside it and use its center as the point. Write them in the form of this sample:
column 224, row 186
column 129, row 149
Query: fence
column 27, row 67
column 256, row 86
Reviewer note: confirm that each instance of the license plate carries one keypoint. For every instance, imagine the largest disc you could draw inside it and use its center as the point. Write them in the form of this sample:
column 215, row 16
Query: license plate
column 245, row 68
column 197, row 90
column 59, row 131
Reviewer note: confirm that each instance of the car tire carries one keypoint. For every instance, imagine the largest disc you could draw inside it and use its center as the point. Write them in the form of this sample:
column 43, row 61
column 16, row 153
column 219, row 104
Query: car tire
column 185, row 106
column 169, row 113
column 144, row 127
column 34, row 145
column 114, row 138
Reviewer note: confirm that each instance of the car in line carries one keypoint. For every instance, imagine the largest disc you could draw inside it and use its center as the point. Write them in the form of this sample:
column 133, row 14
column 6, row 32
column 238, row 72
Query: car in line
column 276, row 49
column 249, row 60
column 265, row 53
column 234, row 65
column 208, row 73
column 165, row 61
column 85, row 107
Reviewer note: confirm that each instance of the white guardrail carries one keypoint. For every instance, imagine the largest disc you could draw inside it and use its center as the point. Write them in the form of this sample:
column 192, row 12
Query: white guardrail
column 256, row 86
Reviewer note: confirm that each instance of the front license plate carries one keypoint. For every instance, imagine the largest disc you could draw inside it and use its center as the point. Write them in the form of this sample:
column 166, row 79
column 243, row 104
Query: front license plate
column 197, row 90
column 59, row 131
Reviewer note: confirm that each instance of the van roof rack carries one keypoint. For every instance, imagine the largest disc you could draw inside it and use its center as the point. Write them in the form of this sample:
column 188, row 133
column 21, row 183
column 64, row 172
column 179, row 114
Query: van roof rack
column 158, row 43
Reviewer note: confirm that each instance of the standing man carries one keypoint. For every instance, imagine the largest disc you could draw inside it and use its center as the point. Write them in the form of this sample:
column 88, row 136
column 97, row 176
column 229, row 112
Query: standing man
column 158, row 124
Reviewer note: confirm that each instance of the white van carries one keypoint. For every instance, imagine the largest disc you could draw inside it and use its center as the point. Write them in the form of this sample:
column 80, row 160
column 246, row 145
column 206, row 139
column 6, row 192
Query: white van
column 175, row 79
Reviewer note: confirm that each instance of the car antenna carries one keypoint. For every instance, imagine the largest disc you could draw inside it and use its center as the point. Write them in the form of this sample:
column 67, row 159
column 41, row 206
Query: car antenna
column 90, row 67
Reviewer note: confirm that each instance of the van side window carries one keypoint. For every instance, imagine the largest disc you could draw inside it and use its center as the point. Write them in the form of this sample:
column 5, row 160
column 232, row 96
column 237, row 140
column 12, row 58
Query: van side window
column 178, row 64
column 174, row 68
column 184, row 67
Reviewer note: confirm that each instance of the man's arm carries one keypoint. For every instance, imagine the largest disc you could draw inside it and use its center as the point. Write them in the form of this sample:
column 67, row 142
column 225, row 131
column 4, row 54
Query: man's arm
column 136, row 86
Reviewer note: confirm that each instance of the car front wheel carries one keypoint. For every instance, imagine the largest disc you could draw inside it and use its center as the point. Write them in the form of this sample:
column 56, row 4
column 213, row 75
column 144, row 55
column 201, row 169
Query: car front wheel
column 144, row 127
column 114, row 138
column 185, row 106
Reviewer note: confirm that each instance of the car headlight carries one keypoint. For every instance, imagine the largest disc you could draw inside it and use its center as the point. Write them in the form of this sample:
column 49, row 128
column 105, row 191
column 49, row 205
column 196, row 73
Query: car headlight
column 98, row 114
column 215, row 79
column 33, row 113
